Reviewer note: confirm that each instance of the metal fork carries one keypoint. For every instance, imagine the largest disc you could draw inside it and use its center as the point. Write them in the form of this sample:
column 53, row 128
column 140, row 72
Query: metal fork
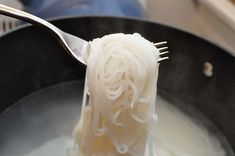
column 75, row 46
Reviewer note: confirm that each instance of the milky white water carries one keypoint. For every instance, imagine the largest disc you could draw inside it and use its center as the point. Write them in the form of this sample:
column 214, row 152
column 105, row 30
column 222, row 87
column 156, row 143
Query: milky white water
column 42, row 124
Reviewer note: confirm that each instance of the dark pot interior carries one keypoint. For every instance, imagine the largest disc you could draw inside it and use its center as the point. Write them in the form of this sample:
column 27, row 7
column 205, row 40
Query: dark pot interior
column 31, row 59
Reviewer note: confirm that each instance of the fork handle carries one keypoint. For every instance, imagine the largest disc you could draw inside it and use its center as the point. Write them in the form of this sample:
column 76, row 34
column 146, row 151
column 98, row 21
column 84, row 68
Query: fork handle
column 24, row 16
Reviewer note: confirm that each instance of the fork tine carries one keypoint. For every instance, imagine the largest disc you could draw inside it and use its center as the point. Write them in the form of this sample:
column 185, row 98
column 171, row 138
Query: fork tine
column 162, row 49
column 162, row 53
column 158, row 44
column 162, row 59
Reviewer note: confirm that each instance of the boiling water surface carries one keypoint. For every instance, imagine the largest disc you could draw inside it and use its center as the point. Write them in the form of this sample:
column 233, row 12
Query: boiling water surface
column 41, row 124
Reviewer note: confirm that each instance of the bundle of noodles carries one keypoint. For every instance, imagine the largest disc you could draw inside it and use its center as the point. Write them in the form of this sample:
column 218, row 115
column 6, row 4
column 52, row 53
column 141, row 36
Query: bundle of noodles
column 119, row 97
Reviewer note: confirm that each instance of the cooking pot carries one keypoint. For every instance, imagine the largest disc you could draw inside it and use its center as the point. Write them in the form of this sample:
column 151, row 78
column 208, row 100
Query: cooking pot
column 31, row 60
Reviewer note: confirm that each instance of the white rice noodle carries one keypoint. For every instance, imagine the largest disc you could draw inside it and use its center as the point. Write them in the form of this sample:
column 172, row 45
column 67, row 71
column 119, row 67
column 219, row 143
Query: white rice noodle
column 116, row 119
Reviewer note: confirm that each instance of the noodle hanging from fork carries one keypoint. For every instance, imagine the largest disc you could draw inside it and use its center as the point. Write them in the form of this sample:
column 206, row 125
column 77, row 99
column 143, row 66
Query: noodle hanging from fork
column 119, row 97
